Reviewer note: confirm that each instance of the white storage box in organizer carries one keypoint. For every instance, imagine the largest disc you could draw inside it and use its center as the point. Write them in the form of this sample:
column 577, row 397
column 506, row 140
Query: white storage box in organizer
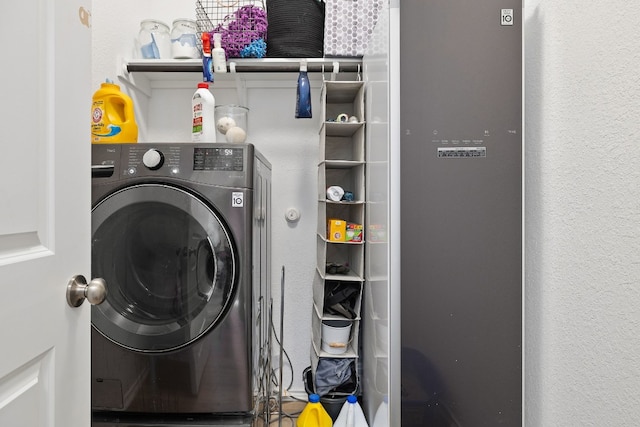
column 335, row 336
column 348, row 347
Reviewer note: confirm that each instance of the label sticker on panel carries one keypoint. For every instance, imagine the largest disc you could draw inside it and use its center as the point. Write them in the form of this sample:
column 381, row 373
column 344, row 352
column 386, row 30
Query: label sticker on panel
column 237, row 199
column 506, row 16
column 461, row 152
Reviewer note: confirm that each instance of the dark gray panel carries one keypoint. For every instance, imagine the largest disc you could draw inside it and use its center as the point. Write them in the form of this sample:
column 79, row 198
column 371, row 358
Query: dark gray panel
column 461, row 96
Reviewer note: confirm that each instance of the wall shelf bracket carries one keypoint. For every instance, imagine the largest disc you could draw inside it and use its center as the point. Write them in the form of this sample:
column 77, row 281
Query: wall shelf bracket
column 137, row 82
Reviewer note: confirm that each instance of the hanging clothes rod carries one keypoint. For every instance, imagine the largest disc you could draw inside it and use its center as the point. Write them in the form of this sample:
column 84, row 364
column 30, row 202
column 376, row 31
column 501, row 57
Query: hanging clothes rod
column 250, row 65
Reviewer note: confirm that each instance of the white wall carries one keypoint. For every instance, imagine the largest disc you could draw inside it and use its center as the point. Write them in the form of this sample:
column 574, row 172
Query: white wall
column 290, row 144
column 583, row 213
column 115, row 25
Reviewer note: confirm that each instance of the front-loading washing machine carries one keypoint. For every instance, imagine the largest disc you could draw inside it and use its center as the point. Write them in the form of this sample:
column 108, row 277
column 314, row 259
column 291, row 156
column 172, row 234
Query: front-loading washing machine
column 180, row 233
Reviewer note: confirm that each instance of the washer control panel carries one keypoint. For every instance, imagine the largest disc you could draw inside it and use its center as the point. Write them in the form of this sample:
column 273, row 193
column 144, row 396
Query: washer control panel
column 218, row 159
column 143, row 157
column 219, row 163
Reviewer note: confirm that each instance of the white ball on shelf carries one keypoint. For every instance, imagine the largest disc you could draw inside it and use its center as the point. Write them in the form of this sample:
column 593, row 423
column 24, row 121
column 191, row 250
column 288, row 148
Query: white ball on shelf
column 236, row 134
column 224, row 124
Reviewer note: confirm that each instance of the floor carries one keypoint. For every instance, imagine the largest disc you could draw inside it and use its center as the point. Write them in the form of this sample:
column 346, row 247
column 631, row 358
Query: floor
column 291, row 409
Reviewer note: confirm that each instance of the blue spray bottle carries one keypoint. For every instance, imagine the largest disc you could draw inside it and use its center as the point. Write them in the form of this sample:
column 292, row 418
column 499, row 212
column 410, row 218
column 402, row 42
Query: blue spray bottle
column 303, row 93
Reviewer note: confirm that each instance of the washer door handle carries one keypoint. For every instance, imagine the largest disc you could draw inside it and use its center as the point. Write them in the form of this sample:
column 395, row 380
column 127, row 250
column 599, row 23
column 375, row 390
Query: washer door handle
column 78, row 290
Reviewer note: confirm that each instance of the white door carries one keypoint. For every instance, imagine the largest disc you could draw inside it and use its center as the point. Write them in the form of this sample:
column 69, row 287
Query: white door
column 44, row 212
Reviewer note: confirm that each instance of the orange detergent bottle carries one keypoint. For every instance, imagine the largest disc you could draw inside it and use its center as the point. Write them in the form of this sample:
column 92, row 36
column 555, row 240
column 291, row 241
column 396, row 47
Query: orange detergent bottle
column 314, row 414
column 112, row 117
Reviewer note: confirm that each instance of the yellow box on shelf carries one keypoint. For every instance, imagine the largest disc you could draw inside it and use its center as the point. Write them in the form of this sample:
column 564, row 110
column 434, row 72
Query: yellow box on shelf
column 336, row 230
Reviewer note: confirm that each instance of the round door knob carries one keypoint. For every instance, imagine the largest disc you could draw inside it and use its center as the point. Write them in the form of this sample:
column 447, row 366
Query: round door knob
column 78, row 290
column 153, row 159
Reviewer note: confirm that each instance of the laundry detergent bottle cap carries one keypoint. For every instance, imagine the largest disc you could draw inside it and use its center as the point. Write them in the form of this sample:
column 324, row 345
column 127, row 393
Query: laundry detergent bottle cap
column 112, row 116
column 314, row 414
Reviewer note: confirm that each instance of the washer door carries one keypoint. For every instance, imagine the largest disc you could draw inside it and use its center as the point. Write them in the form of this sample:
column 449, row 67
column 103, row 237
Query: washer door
column 169, row 264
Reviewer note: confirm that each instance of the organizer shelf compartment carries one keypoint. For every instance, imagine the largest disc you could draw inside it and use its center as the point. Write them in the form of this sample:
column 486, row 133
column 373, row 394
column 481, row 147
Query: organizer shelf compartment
column 323, row 289
column 316, row 334
column 343, row 173
column 342, row 97
column 342, row 141
column 350, row 255
column 350, row 212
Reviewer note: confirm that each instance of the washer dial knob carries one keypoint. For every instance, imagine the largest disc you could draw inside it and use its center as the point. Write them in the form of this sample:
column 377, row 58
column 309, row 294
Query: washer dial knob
column 153, row 159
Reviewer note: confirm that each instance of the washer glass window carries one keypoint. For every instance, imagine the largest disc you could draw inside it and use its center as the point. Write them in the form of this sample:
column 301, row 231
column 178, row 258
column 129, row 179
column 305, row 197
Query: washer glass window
column 169, row 264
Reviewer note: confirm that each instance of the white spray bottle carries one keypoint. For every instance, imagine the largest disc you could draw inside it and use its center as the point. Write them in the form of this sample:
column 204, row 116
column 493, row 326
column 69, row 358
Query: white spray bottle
column 218, row 55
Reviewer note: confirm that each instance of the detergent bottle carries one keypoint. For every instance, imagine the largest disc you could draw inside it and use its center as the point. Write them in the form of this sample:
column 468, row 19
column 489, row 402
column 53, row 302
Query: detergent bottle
column 381, row 419
column 314, row 414
column 203, row 105
column 112, row 117
column 351, row 414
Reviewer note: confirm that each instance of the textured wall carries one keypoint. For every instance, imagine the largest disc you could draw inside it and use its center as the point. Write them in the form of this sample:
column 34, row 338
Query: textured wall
column 583, row 213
